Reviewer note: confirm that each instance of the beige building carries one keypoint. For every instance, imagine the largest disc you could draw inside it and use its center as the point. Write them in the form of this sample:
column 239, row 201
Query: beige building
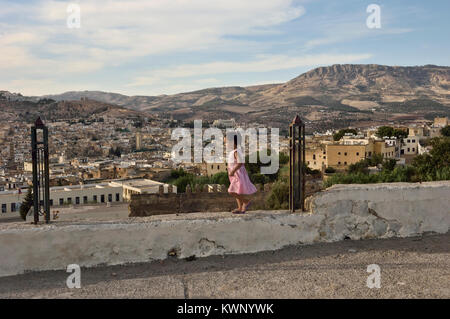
column 340, row 155
column 316, row 157
column 440, row 122
column 210, row 169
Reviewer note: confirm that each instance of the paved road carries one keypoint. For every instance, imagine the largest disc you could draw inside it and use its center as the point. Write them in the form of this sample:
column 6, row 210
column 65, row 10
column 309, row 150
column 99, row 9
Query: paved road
column 410, row 268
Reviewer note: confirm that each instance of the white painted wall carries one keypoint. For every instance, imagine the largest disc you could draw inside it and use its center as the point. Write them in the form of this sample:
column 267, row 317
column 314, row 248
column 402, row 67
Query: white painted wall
column 354, row 211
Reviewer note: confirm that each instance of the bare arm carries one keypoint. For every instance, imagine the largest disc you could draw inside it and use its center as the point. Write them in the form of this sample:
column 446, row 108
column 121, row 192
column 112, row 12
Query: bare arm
column 238, row 166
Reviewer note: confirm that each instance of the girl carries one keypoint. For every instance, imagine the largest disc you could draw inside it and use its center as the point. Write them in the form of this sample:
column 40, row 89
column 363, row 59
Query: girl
column 240, row 184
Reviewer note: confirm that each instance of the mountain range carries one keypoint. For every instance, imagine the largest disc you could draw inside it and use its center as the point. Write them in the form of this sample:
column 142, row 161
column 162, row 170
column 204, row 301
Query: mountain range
column 350, row 91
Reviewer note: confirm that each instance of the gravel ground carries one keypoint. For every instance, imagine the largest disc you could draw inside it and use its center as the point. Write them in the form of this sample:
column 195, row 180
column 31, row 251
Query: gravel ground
column 416, row 267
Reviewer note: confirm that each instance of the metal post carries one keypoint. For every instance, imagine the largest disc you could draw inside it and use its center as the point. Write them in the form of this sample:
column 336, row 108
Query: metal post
column 296, row 163
column 47, row 177
column 303, row 157
column 34, row 156
column 41, row 172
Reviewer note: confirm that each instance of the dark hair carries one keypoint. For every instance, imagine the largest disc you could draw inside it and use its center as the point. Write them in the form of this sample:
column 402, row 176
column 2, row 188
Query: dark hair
column 235, row 136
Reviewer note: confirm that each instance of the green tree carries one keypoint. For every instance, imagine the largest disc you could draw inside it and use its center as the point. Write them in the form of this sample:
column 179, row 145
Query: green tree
column 279, row 196
column 220, row 178
column 383, row 131
column 259, row 178
column 184, row 181
column 445, row 131
column 398, row 133
column 337, row 136
column 27, row 203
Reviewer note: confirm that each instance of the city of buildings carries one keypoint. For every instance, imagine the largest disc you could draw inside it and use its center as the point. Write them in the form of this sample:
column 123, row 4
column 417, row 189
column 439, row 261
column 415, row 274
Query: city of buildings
column 108, row 160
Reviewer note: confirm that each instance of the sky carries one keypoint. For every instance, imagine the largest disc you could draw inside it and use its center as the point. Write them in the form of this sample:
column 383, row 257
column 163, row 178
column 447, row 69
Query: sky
column 155, row 47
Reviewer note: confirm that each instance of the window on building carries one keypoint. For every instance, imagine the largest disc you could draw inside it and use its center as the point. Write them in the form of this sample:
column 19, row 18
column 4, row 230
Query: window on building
column 13, row 207
column 324, row 157
column 345, row 163
column 95, row 198
column 345, row 154
column 409, row 149
column 85, row 199
column 339, row 163
column 339, row 153
column 408, row 141
column 69, row 200
column 3, row 208
column 413, row 149
column 77, row 200
column 357, row 153
column 117, row 197
column 61, row 201
column 102, row 198
column 413, row 141
column 51, row 202
column 110, row 198
column 314, row 156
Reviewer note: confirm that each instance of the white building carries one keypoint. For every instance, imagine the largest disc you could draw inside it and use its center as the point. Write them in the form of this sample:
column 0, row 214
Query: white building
column 142, row 186
column 410, row 145
column 85, row 194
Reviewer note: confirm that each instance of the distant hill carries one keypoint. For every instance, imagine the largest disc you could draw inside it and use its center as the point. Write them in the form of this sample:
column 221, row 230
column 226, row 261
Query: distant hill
column 15, row 107
column 354, row 85
column 337, row 93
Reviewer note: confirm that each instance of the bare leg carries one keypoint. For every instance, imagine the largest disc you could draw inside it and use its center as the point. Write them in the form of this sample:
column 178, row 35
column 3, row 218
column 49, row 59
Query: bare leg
column 245, row 202
column 238, row 201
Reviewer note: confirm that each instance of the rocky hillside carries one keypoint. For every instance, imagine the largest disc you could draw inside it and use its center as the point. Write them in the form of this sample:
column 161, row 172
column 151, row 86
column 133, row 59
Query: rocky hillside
column 15, row 107
column 325, row 96
column 344, row 86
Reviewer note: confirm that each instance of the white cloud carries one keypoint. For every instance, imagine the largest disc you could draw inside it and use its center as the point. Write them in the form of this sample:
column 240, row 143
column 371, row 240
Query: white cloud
column 36, row 43
column 261, row 64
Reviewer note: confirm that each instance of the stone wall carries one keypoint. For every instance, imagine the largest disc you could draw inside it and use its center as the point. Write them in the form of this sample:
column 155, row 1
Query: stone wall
column 197, row 200
column 342, row 211
column 201, row 200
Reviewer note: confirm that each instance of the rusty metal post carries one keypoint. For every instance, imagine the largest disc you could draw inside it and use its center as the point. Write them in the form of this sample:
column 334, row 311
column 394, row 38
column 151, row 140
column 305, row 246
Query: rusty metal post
column 41, row 176
column 296, row 165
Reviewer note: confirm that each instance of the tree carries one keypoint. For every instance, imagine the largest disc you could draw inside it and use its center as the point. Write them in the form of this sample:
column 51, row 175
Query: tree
column 259, row 178
column 385, row 131
column 279, row 196
column 27, row 203
column 399, row 134
column 182, row 182
column 390, row 131
column 337, row 136
column 445, row 131
column 220, row 178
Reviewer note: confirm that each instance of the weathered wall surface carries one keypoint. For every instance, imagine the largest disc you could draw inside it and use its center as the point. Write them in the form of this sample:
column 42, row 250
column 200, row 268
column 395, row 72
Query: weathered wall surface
column 199, row 201
column 189, row 202
column 353, row 211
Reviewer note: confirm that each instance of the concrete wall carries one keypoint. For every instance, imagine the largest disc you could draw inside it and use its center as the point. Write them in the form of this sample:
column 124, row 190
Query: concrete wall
column 352, row 211
column 200, row 201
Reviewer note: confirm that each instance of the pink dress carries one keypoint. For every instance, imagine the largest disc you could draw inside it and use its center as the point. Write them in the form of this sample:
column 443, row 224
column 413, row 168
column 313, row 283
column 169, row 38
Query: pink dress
column 240, row 182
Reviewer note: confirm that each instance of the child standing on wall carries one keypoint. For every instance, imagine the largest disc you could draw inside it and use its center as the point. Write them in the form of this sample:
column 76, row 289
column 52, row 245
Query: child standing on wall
column 240, row 185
